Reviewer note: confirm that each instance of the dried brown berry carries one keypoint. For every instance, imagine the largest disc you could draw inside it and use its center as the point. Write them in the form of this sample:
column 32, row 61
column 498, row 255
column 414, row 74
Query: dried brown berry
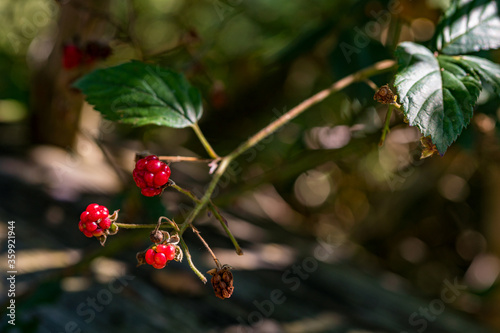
column 385, row 95
column 156, row 236
column 428, row 148
column 222, row 281
column 141, row 258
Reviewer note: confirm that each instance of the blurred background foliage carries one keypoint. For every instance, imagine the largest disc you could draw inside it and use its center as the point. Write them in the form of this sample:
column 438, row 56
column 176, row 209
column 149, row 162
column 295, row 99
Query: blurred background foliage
column 395, row 228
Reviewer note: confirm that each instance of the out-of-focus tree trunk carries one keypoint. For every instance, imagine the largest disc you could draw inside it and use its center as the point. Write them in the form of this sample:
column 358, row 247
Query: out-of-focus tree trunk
column 55, row 105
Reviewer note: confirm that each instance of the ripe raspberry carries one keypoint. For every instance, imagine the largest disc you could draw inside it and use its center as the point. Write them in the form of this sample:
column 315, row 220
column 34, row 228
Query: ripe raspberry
column 72, row 56
column 159, row 255
column 151, row 175
column 94, row 221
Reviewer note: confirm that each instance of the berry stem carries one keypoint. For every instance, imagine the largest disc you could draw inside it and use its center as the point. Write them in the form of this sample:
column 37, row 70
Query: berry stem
column 136, row 226
column 377, row 68
column 386, row 129
column 190, row 261
column 211, row 152
column 216, row 213
column 174, row 159
column 197, row 232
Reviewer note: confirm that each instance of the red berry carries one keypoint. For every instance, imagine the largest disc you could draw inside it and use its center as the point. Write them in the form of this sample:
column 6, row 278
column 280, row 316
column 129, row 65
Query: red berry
column 159, row 255
column 95, row 215
column 98, row 232
column 150, row 255
column 160, row 179
column 158, row 266
column 105, row 223
column 150, row 191
column 170, row 252
column 149, row 178
column 161, row 248
column 84, row 216
column 105, row 211
column 141, row 164
column 160, row 258
column 72, row 56
column 94, row 221
column 154, row 166
column 151, row 175
column 91, row 226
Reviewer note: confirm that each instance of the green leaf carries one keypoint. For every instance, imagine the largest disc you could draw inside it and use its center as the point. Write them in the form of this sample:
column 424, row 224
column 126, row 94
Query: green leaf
column 469, row 26
column 437, row 93
column 488, row 71
column 141, row 94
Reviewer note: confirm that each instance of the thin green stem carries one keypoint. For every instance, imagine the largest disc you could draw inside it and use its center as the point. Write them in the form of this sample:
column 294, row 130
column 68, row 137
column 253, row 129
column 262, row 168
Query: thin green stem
column 190, row 261
column 208, row 193
column 135, row 226
column 377, row 68
column 386, row 129
column 211, row 152
column 216, row 213
column 223, row 223
column 214, row 257
column 174, row 159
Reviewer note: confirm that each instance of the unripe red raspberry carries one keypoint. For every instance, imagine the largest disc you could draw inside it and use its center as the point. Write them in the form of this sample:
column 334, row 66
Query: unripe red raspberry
column 150, row 175
column 94, row 221
column 159, row 255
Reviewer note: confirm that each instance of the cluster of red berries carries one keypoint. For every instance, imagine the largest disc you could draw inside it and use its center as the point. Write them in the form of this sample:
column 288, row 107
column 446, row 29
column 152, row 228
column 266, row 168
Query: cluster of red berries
column 74, row 55
column 94, row 221
column 151, row 175
column 160, row 254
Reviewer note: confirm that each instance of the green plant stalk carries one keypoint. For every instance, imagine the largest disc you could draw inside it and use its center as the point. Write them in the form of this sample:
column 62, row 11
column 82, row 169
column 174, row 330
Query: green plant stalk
column 190, row 261
column 377, row 68
column 385, row 130
column 211, row 152
column 135, row 226
column 216, row 213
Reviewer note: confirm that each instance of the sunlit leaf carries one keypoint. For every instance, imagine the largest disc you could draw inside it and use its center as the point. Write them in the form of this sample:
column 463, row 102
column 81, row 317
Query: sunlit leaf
column 142, row 94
